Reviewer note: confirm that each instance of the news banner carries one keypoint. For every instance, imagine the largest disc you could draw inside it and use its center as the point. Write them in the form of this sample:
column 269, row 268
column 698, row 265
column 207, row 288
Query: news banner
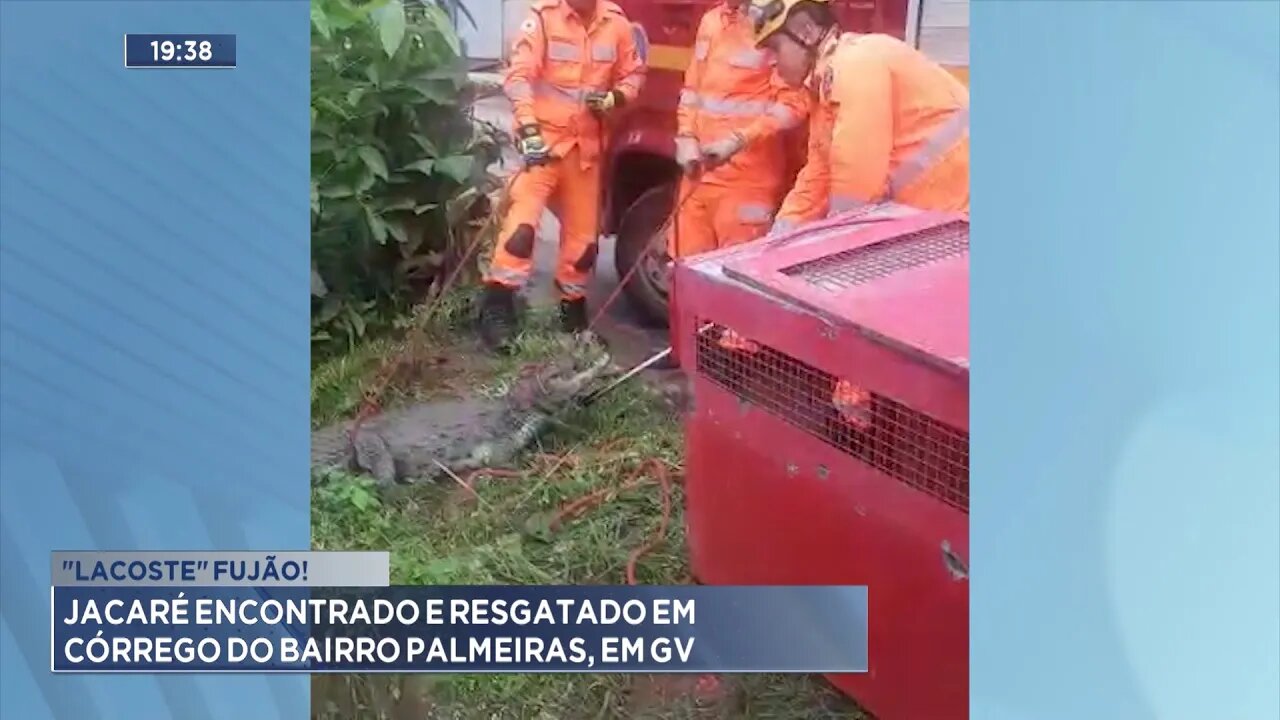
column 335, row 612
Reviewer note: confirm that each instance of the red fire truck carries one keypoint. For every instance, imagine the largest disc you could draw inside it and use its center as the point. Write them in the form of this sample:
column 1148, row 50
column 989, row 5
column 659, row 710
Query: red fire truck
column 642, row 173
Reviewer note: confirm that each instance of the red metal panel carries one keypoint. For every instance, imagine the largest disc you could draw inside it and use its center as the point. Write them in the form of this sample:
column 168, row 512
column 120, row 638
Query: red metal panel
column 783, row 487
column 768, row 505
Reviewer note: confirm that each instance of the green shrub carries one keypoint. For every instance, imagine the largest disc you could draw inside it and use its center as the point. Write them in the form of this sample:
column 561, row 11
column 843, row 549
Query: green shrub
column 399, row 166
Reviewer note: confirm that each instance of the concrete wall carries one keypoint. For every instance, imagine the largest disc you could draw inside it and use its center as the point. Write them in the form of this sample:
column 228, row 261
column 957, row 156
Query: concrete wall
column 514, row 13
column 944, row 31
column 484, row 40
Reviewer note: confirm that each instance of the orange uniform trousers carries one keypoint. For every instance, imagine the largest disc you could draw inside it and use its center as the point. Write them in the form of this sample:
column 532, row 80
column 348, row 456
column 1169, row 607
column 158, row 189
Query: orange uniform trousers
column 570, row 188
column 711, row 216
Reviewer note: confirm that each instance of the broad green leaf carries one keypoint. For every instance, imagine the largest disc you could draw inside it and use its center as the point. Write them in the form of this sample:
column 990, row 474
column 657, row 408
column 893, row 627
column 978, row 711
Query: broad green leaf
column 377, row 227
column 337, row 191
column 438, row 18
column 357, row 322
column 397, row 231
column 423, row 166
column 391, row 26
column 425, row 143
column 373, row 160
column 440, row 92
column 457, row 167
column 354, row 96
column 404, row 204
column 332, row 306
column 320, row 21
column 366, row 181
column 343, row 14
column 318, row 288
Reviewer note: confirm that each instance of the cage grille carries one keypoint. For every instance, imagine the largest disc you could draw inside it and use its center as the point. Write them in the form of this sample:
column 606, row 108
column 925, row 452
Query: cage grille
column 850, row 268
column 905, row 444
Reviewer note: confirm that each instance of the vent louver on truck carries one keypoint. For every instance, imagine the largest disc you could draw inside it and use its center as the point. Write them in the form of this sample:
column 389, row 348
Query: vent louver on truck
column 857, row 266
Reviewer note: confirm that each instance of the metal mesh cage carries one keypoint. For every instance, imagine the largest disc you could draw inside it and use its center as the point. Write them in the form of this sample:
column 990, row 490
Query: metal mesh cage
column 850, row 268
column 901, row 442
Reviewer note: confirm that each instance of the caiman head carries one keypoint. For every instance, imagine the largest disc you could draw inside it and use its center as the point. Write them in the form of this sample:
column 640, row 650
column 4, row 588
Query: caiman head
column 579, row 361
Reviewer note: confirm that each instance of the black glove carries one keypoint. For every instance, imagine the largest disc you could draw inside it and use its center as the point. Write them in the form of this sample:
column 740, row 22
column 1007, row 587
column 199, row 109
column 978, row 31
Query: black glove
column 532, row 147
column 603, row 102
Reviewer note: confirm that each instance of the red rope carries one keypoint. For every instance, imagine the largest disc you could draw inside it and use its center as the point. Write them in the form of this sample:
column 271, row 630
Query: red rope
column 648, row 472
column 622, row 283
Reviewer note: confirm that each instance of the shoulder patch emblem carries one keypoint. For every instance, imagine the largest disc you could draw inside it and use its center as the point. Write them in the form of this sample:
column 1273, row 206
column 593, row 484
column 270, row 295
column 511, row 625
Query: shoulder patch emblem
column 528, row 26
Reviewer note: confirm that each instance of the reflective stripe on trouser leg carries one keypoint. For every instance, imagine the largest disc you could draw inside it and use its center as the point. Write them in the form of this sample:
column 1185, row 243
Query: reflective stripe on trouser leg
column 742, row 216
column 578, row 208
column 529, row 193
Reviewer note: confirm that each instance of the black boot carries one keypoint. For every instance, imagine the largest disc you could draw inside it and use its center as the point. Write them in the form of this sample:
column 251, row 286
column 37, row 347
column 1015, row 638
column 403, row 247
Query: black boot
column 498, row 322
column 573, row 315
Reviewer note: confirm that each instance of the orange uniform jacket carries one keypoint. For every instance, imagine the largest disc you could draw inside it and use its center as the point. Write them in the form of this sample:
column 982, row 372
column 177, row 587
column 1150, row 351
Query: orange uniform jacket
column 730, row 87
column 557, row 60
column 890, row 125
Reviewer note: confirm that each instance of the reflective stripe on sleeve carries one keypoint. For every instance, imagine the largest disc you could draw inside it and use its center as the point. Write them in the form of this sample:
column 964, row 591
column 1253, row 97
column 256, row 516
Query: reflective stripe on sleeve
column 942, row 140
column 845, row 203
column 750, row 59
column 784, row 116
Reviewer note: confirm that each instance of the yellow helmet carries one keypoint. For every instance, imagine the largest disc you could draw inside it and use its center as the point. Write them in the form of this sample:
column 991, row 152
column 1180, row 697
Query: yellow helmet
column 768, row 16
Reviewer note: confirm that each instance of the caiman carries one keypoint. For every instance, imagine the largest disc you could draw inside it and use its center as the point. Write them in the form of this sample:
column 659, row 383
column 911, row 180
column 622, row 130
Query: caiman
column 425, row 441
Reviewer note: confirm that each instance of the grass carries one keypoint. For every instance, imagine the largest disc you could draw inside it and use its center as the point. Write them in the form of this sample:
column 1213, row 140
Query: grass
column 500, row 533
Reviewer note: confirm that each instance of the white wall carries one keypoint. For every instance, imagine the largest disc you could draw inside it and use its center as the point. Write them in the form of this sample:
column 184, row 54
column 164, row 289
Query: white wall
column 483, row 41
column 944, row 31
column 514, row 13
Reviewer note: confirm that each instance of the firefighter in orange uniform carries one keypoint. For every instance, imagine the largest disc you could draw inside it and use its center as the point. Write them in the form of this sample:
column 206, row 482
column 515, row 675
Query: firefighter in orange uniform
column 731, row 118
column 574, row 63
column 731, row 115
column 889, row 124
